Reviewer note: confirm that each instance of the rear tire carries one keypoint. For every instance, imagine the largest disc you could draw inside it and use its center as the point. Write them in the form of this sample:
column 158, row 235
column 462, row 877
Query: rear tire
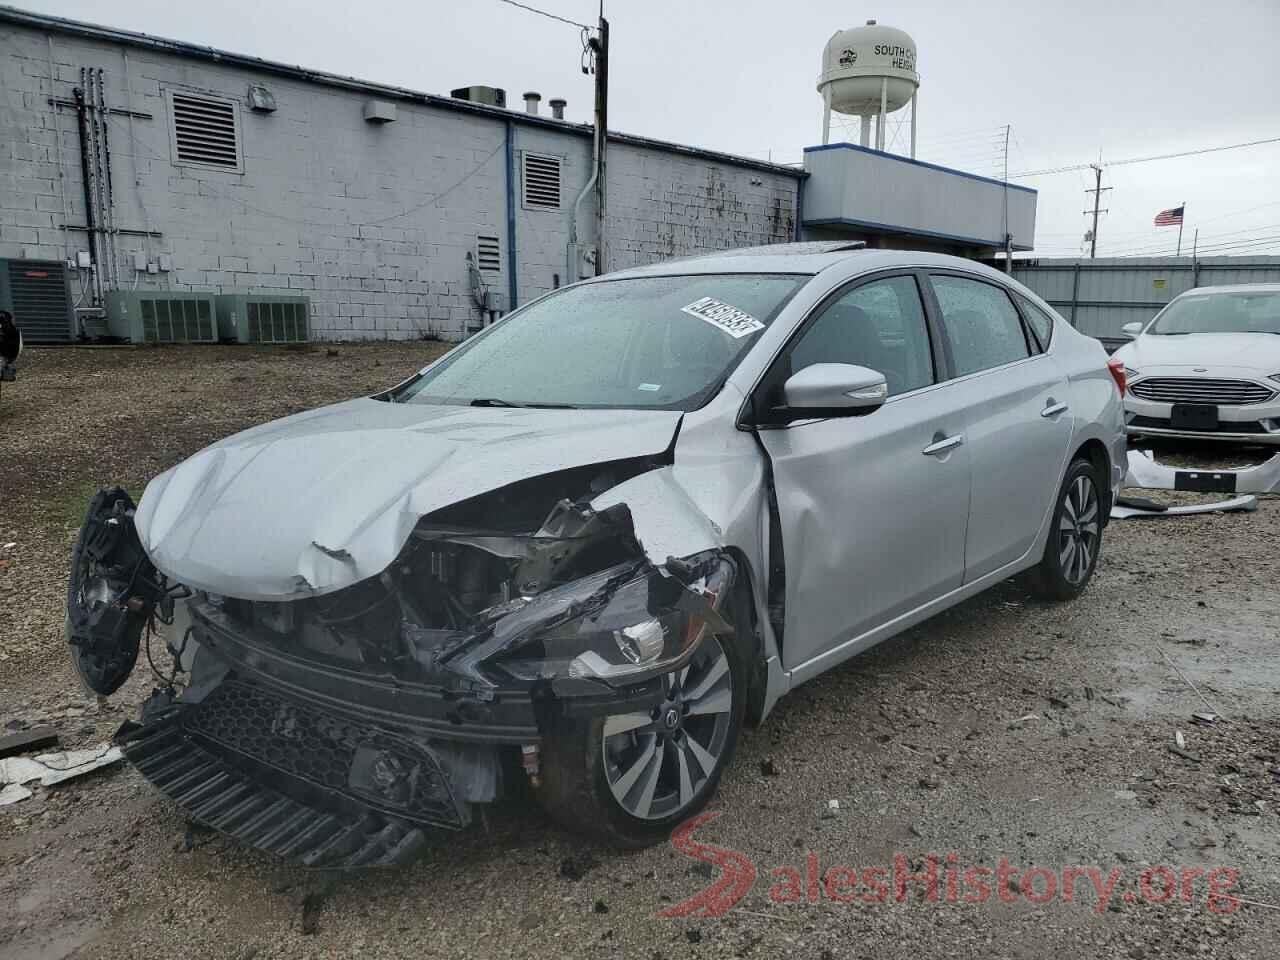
column 1075, row 536
column 629, row 780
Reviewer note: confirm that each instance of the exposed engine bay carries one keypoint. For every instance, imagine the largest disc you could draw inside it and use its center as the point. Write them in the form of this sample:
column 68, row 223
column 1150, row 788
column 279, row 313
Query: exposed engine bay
column 335, row 728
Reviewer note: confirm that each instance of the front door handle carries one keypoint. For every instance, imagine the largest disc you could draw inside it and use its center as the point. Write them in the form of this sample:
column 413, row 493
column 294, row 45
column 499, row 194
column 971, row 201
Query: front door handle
column 939, row 447
column 1053, row 409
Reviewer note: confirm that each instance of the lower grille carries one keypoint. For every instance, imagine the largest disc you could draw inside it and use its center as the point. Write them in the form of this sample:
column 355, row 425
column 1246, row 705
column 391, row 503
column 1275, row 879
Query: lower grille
column 367, row 764
column 1200, row 390
column 219, row 795
column 1224, row 426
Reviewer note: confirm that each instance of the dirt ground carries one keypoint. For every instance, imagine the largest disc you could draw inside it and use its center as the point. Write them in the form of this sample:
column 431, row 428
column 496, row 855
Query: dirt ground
column 1043, row 735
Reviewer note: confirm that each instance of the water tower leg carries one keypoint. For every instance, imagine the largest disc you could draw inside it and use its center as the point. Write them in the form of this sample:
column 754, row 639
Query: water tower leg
column 884, row 106
column 913, row 126
column 826, row 114
column 866, row 130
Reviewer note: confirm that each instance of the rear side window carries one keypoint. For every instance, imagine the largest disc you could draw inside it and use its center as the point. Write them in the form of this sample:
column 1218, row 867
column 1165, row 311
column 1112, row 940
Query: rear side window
column 880, row 325
column 980, row 323
column 1041, row 323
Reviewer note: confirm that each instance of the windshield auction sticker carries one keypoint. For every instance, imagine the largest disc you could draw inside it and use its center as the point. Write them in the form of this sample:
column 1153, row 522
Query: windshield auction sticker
column 736, row 323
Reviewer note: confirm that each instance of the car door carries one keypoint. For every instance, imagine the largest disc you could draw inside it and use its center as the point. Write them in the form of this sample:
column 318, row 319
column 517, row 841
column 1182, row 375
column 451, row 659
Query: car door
column 872, row 508
column 1017, row 422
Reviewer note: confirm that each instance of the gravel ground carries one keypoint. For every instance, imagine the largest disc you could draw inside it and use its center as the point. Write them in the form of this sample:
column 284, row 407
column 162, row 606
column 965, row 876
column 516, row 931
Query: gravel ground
column 1001, row 729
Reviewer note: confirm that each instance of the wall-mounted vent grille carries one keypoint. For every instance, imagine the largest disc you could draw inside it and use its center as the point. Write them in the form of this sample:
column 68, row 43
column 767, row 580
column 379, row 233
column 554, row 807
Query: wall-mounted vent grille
column 489, row 254
column 541, row 181
column 206, row 131
column 35, row 291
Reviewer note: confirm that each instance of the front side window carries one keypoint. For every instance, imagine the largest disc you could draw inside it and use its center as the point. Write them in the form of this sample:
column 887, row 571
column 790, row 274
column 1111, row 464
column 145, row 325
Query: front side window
column 651, row 342
column 880, row 325
column 1220, row 313
column 981, row 324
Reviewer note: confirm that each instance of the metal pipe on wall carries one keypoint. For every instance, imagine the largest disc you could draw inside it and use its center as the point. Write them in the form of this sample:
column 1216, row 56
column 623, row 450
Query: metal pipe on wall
column 87, row 182
column 99, row 183
column 512, row 285
column 109, row 193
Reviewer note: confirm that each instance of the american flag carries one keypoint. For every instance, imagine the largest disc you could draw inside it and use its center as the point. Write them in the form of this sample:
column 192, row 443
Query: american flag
column 1169, row 218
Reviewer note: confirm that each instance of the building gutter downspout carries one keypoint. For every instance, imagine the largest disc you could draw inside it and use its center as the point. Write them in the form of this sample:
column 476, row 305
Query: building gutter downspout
column 512, row 286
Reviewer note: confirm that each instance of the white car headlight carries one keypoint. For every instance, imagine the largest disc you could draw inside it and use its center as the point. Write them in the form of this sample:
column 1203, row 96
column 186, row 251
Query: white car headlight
column 1275, row 376
column 1130, row 373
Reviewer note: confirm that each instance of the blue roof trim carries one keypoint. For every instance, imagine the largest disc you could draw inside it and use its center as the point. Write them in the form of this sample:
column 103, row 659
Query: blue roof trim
column 918, row 163
column 909, row 231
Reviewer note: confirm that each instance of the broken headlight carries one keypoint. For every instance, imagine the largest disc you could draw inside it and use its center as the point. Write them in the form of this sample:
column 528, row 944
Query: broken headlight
column 619, row 628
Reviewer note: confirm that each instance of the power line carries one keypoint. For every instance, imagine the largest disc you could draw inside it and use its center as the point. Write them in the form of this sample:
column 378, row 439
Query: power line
column 1161, row 156
column 544, row 13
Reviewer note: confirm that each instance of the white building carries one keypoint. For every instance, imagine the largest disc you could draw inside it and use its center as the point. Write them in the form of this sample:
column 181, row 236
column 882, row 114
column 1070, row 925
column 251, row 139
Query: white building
column 384, row 212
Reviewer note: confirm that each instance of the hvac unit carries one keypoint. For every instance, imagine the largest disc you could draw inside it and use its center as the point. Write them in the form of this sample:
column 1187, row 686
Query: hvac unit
column 168, row 316
column 493, row 96
column 35, row 292
column 263, row 318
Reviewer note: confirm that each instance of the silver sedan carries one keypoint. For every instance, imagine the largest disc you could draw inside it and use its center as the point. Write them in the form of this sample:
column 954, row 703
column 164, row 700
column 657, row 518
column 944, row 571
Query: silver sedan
column 582, row 548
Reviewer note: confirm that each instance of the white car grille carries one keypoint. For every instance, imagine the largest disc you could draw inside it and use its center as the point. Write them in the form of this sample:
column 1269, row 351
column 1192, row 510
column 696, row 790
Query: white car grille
column 1200, row 390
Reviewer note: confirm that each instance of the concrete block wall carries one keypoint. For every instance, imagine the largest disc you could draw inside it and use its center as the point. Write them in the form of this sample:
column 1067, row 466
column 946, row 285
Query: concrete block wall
column 372, row 222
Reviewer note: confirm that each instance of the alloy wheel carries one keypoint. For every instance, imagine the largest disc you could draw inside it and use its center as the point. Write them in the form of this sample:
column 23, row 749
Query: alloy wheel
column 657, row 761
column 1078, row 530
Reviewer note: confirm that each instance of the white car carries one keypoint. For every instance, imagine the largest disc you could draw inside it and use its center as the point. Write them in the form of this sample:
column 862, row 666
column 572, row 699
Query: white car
column 1207, row 367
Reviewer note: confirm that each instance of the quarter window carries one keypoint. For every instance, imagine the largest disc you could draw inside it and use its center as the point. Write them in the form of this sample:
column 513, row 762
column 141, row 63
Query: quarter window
column 1041, row 323
column 879, row 325
column 981, row 324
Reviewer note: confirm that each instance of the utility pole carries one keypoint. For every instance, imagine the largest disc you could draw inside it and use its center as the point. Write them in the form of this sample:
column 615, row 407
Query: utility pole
column 1097, row 191
column 602, row 136
column 1008, row 239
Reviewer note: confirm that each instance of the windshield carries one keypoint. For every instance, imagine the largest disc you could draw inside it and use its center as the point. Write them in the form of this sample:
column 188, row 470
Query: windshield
column 652, row 342
column 1221, row 313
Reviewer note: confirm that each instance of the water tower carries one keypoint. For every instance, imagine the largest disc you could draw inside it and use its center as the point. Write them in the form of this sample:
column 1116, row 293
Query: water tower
column 869, row 72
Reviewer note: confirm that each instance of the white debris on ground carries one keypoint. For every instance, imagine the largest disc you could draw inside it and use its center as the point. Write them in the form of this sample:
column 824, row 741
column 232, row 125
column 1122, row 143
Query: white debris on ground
column 52, row 768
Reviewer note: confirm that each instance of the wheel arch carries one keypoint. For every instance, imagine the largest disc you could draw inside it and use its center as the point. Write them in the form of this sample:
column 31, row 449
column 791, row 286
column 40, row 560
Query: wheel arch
column 1095, row 451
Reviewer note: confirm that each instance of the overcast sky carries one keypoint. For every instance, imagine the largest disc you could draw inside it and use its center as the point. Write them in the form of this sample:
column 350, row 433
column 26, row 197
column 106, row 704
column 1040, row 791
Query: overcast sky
column 1074, row 80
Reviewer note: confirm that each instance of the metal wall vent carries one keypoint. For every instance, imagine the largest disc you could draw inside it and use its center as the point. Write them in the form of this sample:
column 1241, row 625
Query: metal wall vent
column 489, row 254
column 541, row 177
column 206, row 131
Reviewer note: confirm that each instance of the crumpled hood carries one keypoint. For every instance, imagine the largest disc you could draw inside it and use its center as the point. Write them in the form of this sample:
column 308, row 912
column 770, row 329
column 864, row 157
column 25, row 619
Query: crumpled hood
column 1256, row 352
column 323, row 499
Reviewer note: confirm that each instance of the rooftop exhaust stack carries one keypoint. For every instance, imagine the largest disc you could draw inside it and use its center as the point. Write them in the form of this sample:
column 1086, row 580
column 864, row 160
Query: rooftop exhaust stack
column 531, row 100
column 557, row 107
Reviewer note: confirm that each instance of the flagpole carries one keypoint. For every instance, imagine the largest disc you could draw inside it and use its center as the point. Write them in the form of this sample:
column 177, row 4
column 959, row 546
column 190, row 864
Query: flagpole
column 1181, row 221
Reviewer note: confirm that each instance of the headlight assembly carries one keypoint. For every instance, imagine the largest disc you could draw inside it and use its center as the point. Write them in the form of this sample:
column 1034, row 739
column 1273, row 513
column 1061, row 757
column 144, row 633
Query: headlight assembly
column 614, row 629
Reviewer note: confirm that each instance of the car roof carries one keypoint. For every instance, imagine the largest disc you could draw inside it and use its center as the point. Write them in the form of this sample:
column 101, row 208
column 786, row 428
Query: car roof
column 1231, row 288
column 806, row 258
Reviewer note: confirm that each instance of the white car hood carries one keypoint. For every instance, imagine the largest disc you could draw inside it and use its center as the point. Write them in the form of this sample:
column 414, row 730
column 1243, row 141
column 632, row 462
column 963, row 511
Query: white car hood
column 323, row 499
column 1259, row 352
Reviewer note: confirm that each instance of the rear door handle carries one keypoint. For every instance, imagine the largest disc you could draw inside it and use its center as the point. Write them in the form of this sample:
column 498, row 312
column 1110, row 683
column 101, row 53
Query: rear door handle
column 1053, row 409
column 939, row 447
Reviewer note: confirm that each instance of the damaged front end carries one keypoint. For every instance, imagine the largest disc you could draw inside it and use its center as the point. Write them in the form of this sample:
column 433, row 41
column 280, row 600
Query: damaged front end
column 336, row 729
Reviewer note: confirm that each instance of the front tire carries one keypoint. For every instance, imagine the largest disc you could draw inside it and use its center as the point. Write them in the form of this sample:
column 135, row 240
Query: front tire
column 1075, row 536
column 627, row 780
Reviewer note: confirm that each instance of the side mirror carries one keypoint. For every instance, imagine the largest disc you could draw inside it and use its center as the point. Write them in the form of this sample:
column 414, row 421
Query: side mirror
column 834, row 390
column 1131, row 330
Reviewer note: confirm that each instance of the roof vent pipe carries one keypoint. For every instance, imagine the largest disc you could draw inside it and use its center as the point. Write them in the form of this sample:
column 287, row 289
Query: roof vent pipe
column 531, row 102
column 557, row 107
